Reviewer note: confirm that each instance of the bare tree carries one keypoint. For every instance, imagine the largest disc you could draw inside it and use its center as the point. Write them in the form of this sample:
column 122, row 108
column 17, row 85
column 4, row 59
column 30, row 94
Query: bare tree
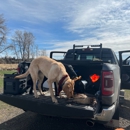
column 42, row 53
column 3, row 32
column 34, row 51
column 10, row 46
column 22, row 43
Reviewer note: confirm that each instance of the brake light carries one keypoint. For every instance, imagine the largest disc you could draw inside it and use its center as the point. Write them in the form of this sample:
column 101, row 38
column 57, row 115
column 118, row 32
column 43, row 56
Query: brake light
column 107, row 83
column 94, row 78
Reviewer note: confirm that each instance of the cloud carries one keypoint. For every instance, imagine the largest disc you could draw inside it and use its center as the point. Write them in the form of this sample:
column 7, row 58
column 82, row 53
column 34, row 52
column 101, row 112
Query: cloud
column 79, row 16
column 108, row 16
column 116, row 44
column 47, row 11
column 92, row 21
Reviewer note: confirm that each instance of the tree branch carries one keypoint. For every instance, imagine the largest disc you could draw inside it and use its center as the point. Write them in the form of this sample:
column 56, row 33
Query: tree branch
column 5, row 48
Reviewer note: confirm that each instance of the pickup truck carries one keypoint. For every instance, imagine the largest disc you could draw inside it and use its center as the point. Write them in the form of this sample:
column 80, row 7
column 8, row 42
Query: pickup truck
column 87, row 61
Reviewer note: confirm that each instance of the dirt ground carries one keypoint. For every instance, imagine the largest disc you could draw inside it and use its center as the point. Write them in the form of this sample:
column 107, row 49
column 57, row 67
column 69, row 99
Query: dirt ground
column 12, row 118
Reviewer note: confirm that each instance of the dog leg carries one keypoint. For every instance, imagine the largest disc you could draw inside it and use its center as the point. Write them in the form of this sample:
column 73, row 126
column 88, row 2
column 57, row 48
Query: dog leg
column 34, row 88
column 51, row 92
column 61, row 93
column 52, row 76
column 34, row 79
column 40, row 80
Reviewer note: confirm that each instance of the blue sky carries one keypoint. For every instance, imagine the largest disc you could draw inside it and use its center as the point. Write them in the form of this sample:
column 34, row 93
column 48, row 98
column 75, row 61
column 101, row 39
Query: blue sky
column 58, row 24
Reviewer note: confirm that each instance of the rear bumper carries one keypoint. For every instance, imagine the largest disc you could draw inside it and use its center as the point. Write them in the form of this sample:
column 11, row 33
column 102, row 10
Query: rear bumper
column 106, row 114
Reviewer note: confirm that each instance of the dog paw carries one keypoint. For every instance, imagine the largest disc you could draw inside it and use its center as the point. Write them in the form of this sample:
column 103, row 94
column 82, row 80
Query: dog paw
column 36, row 96
column 63, row 96
column 54, row 100
column 42, row 93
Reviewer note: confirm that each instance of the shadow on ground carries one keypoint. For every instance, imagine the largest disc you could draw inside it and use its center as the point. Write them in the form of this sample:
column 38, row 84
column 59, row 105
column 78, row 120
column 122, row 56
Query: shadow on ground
column 32, row 121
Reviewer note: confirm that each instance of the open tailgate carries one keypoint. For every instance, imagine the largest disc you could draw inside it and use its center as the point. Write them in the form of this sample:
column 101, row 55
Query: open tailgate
column 44, row 105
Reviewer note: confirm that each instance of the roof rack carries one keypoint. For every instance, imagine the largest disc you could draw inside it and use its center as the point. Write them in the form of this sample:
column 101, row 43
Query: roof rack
column 92, row 46
column 100, row 45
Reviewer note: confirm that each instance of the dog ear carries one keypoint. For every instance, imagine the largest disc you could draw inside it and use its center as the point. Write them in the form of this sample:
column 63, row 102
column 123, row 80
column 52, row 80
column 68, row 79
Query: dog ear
column 77, row 78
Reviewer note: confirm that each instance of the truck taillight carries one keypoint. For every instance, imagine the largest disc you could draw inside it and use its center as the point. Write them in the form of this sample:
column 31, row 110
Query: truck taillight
column 107, row 83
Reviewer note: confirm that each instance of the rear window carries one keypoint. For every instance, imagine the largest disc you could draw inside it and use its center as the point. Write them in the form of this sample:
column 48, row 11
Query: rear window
column 91, row 54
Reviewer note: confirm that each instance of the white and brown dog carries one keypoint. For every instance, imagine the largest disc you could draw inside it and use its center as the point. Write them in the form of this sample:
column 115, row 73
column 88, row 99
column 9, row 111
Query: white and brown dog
column 54, row 71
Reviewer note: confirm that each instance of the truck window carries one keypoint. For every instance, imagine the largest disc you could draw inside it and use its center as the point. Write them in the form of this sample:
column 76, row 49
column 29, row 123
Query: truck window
column 93, row 54
column 126, row 58
column 58, row 56
column 89, row 57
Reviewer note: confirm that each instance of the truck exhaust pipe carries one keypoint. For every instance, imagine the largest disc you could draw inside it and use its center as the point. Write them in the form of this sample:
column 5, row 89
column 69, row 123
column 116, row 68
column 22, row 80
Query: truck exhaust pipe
column 90, row 123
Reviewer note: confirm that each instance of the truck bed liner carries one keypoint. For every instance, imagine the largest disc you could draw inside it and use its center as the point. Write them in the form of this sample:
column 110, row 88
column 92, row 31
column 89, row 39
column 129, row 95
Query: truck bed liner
column 44, row 105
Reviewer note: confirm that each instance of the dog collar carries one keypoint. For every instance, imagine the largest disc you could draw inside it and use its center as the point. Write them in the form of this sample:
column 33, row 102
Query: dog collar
column 60, row 84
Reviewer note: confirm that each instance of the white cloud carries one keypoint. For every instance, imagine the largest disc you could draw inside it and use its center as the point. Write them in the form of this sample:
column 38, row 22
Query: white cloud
column 117, row 44
column 94, row 21
column 109, row 16
column 47, row 11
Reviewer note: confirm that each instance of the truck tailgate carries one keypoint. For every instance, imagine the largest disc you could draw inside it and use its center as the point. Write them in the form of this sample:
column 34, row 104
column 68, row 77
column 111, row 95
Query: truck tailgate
column 43, row 105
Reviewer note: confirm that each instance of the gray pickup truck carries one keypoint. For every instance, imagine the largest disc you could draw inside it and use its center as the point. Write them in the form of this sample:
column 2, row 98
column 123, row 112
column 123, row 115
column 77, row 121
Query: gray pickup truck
column 87, row 61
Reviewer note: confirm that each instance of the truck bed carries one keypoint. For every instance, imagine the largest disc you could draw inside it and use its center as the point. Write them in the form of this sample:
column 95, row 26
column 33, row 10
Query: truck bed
column 44, row 105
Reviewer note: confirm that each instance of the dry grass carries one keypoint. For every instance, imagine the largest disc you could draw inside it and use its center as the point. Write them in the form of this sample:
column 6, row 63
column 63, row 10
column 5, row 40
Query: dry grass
column 8, row 66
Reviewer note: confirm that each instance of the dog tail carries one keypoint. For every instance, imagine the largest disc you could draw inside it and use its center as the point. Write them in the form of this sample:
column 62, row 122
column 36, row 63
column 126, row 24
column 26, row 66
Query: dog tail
column 22, row 75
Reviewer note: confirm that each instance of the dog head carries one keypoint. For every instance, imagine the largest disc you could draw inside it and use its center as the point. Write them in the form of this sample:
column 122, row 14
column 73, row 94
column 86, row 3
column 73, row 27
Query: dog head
column 68, row 87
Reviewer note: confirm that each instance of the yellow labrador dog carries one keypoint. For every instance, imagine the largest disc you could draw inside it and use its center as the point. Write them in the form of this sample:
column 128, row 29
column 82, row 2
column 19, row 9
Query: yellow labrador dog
column 54, row 71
